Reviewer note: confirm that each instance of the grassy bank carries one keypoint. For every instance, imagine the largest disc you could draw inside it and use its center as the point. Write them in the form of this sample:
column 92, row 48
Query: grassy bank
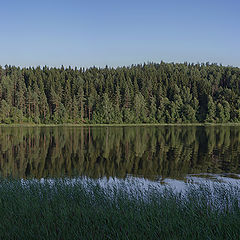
column 85, row 210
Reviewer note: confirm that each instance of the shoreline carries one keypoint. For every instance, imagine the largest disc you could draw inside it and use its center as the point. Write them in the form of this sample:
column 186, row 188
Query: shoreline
column 122, row 125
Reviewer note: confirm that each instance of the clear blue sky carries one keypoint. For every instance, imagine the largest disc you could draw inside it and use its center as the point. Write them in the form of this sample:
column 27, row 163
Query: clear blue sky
column 118, row 32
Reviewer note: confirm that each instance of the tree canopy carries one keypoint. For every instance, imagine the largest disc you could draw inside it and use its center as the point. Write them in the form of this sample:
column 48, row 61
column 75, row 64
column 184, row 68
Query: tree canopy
column 144, row 93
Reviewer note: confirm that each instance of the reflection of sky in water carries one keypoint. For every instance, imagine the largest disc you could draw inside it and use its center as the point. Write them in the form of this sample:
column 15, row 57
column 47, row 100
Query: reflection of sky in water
column 176, row 185
column 217, row 191
column 135, row 184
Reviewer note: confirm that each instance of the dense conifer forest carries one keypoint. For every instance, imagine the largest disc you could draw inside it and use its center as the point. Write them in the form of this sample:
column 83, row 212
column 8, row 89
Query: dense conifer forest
column 147, row 93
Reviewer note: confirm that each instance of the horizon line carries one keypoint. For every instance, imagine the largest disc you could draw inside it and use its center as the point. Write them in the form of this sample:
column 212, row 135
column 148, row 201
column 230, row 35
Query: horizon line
column 119, row 66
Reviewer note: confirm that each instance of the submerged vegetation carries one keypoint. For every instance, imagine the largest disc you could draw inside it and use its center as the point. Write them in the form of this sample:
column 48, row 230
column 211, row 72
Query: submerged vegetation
column 86, row 209
column 95, row 152
column 148, row 93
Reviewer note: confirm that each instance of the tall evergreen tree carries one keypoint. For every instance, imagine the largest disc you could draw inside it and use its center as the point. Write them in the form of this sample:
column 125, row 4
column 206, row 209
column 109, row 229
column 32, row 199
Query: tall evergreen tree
column 163, row 93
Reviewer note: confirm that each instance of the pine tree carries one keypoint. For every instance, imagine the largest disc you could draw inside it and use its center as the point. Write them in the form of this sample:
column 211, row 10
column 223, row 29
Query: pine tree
column 75, row 109
column 153, row 110
column 5, row 112
column 227, row 109
column 81, row 100
column 140, row 108
column 55, row 105
column 107, row 109
column 211, row 110
column 67, row 99
column 220, row 113
column 172, row 93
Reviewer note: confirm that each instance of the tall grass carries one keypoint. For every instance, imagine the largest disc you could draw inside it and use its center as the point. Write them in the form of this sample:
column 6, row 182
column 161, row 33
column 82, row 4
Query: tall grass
column 64, row 209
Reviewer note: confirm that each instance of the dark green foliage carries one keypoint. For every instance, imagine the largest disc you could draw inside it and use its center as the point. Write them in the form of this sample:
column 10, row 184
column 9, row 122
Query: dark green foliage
column 61, row 209
column 148, row 93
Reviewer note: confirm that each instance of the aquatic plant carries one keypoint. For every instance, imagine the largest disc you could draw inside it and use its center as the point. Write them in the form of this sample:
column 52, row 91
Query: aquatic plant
column 88, row 209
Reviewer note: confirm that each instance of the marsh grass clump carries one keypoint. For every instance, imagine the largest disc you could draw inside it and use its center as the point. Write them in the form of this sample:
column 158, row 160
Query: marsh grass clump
column 71, row 209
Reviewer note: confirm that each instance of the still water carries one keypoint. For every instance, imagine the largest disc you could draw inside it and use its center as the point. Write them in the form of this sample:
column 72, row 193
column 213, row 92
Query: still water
column 152, row 153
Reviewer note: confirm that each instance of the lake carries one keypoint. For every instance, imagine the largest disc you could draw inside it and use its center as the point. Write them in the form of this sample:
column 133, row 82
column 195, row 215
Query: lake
column 142, row 182
column 148, row 152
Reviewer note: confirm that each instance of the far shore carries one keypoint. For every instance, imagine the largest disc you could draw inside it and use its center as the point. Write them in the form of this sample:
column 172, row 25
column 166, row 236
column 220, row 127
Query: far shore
column 117, row 125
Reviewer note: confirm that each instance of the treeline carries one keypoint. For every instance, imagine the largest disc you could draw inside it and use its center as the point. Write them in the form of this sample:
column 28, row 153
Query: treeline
column 148, row 93
column 151, row 152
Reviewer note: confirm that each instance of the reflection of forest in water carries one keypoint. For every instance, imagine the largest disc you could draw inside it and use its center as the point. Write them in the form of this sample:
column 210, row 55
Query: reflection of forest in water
column 118, row 151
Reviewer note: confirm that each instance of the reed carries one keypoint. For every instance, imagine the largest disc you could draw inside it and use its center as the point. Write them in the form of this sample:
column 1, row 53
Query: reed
column 65, row 209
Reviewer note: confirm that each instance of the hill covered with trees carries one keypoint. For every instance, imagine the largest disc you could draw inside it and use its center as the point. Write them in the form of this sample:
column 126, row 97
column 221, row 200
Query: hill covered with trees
column 148, row 93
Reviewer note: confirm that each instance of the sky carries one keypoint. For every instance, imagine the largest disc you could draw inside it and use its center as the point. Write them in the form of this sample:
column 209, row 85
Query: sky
column 87, row 33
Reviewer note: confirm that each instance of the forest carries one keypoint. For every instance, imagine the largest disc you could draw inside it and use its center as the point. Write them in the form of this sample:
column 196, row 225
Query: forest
column 144, row 93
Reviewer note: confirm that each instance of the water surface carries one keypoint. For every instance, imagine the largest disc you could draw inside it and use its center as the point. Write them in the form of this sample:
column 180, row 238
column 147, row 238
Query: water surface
column 153, row 153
